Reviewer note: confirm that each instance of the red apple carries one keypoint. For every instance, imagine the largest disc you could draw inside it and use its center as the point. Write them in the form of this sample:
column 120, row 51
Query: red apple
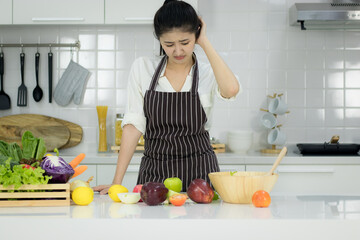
column 153, row 193
column 137, row 189
column 200, row 191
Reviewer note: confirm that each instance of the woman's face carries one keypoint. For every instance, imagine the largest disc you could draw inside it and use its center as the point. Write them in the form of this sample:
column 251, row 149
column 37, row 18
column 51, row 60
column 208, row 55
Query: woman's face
column 178, row 45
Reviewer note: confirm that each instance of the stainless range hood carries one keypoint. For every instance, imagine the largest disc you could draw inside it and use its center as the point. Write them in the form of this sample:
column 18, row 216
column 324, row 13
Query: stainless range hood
column 336, row 15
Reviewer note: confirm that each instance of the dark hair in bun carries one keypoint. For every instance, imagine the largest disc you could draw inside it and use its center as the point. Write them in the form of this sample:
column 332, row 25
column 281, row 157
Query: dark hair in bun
column 176, row 14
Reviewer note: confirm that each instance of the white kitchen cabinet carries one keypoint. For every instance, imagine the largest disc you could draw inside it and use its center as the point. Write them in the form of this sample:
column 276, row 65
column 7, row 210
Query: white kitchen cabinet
column 5, row 11
column 58, row 12
column 105, row 175
column 90, row 172
column 314, row 179
column 135, row 11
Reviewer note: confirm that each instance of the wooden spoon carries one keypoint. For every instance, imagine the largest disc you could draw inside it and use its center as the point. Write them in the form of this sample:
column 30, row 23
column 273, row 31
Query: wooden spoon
column 278, row 160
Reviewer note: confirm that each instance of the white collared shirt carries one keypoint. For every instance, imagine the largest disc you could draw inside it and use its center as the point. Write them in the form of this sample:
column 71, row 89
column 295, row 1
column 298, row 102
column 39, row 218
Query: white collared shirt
column 140, row 77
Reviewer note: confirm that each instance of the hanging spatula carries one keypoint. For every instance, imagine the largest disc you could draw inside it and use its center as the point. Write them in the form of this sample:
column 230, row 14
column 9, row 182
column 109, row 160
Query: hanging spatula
column 4, row 98
column 22, row 91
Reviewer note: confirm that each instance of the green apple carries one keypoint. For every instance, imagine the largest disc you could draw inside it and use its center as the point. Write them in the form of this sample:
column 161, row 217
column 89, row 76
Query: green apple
column 174, row 184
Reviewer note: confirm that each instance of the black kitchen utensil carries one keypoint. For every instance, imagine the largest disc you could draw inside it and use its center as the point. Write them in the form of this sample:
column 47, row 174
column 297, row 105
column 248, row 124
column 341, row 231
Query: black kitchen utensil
column 5, row 102
column 328, row 149
column 37, row 93
column 50, row 65
column 22, row 91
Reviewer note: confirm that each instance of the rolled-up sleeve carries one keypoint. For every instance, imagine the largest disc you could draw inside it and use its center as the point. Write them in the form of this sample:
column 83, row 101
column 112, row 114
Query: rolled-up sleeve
column 134, row 114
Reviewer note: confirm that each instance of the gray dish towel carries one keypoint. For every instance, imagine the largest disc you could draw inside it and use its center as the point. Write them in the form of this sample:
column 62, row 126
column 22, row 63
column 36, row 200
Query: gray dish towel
column 72, row 83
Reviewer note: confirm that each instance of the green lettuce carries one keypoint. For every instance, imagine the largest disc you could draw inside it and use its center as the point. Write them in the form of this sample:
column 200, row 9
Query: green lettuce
column 29, row 144
column 12, row 151
column 4, row 159
column 41, row 149
column 15, row 151
column 4, row 148
column 33, row 148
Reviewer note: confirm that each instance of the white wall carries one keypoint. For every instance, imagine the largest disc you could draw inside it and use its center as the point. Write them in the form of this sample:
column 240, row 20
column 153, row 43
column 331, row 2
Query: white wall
column 318, row 71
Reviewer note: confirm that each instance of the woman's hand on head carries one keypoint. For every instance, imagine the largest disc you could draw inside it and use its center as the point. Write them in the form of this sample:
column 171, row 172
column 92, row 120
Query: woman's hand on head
column 103, row 189
column 202, row 37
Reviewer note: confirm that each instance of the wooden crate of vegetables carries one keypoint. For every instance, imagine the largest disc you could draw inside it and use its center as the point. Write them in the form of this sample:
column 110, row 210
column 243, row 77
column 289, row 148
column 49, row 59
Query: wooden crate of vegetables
column 35, row 195
column 28, row 177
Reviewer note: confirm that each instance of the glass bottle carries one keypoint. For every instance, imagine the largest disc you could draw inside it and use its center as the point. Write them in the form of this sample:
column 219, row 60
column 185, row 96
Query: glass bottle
column 102, row 112
column 118, row 129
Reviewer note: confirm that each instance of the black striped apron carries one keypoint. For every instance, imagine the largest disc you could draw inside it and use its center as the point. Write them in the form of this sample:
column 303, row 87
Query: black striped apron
column 176, row 142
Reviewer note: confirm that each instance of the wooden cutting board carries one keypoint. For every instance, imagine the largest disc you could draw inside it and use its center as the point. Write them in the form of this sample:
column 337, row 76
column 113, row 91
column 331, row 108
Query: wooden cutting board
column 54, row 131
column 76, row 133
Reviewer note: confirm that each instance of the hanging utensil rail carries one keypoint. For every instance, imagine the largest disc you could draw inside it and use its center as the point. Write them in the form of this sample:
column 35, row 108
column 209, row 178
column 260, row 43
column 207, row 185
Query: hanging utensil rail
column 51, row 45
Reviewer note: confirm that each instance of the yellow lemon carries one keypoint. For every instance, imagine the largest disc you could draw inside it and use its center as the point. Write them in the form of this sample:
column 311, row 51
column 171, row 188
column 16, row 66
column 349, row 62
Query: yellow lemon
column 114, row 190
column 83, row 196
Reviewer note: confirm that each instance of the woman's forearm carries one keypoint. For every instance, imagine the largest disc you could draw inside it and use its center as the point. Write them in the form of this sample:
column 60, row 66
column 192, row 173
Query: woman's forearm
column 129, row 140
column 227, row 82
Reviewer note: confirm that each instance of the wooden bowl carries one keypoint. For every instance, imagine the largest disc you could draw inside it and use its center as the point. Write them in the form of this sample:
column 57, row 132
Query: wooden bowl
column 240, row 187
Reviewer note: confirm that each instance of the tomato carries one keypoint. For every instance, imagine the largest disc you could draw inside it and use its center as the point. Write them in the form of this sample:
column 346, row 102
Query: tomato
column 27, row 166
column 178, row 199
column 261, row 198
column 137, row 189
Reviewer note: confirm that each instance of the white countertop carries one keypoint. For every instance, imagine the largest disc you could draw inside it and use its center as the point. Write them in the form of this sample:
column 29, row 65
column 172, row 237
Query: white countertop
column 288, row 217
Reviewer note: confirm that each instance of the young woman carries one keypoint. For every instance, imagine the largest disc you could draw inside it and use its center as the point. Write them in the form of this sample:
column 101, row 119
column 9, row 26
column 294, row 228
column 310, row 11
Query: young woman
column 169, row 101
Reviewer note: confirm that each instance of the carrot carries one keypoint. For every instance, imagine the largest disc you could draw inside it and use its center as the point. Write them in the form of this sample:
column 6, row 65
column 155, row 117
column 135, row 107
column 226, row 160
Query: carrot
column 77, row 160
column 79, row 170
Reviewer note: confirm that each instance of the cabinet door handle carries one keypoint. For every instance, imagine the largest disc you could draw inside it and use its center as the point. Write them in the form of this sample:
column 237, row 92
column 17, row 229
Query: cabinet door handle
column 35, row 19
column 306, row 170
column 138, row 19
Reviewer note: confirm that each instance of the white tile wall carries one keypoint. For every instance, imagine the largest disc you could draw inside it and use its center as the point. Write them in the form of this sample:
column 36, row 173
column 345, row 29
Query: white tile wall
column 317, row 71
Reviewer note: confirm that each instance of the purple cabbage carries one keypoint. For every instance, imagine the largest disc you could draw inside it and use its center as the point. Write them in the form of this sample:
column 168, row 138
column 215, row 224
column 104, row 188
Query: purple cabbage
column 56, row 167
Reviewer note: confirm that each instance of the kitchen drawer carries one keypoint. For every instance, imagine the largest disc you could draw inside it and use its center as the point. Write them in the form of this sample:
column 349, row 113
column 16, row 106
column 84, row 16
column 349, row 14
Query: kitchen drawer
column 5, row 11
column 314, row 179
column 58, row 12
column 91, row 171
column 134, row 12
column 105, row 175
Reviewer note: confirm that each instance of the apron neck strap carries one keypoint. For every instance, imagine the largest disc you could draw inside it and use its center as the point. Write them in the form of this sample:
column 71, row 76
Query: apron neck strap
column 195, row 80
column 160, row 67
column 156, row 75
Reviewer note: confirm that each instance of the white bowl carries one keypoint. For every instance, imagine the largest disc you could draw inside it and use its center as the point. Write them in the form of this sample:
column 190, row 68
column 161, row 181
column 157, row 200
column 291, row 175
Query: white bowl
column 239, row 146
column 239, row 141
column 129, row 197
